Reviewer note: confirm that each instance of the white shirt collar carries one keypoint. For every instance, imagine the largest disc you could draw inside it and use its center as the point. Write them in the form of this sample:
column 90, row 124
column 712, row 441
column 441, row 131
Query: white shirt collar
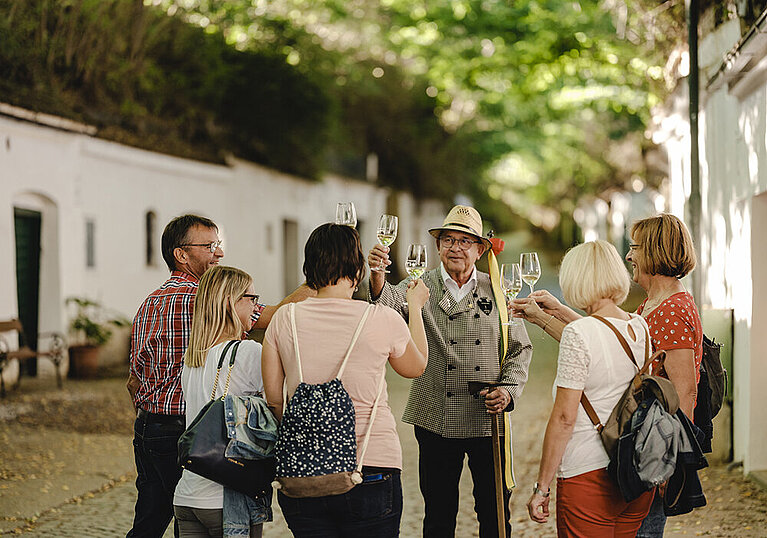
column 458, row 292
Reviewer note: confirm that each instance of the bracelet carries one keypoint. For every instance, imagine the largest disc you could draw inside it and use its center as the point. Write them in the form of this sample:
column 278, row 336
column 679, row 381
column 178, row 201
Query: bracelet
column 538, row 491
column 547, row 323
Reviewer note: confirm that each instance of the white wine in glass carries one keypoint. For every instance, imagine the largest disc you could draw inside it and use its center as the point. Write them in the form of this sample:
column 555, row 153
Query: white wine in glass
column 511, row 282
column 387, row 233
column 531, row 268
column 346, row 214
column 415, row 262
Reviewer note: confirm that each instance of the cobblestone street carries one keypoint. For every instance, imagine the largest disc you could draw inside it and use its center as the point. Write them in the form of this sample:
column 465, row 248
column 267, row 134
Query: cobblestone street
column 68, row 481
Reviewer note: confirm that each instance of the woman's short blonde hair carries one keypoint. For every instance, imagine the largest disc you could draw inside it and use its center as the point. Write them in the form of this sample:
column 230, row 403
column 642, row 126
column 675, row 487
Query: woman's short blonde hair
column 593, row 271
column 214, row 314
column 663, row 246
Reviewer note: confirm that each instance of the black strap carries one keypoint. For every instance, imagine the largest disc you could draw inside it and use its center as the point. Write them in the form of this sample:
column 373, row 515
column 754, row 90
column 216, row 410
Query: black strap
column 230, row 344
column 234, row 352
column 223, row 353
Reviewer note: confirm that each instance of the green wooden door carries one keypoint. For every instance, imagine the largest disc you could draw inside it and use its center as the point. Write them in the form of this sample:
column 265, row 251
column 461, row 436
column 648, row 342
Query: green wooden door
column 27, row 224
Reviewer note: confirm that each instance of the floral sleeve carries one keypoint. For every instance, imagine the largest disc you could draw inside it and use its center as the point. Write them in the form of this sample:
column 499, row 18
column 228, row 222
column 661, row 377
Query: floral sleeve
column 574, row 360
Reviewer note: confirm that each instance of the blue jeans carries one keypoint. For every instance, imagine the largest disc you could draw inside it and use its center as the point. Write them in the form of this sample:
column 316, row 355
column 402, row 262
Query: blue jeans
column 372, row 509
column 655, row 522
column 155, row 447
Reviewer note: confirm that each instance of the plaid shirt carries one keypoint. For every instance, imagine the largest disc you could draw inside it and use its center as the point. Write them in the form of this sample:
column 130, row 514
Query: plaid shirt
column 465, row 344
column 159, row 337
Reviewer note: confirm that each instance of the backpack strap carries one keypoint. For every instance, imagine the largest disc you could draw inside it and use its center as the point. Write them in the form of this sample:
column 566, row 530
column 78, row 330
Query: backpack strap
column 372, row 419
column 348, row 351
column 292, row 310
column 622, row 340
column 236, row 344
column 354, row 341
column 592, row 414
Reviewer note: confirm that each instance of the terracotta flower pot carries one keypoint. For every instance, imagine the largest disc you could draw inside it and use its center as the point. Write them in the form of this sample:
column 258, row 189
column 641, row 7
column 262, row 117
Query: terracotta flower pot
column 83, row 361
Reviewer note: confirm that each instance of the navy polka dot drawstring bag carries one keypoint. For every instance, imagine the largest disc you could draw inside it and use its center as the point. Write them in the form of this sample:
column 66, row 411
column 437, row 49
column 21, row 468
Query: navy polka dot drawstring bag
column 316, row 448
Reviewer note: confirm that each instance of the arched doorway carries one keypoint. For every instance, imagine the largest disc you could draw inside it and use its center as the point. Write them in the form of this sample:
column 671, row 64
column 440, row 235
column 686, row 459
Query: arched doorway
column 38, row 291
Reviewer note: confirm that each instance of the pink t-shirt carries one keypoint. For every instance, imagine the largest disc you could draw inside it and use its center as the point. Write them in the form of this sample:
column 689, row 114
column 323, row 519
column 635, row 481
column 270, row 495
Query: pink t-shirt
column 325, row 330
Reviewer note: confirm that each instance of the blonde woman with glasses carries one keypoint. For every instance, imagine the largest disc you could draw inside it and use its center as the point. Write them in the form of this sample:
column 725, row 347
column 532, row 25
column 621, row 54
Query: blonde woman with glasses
column 223, row 308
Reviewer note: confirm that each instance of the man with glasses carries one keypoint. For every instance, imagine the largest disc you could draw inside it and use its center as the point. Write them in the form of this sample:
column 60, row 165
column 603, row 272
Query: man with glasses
column 159, row 337
column 463, row 330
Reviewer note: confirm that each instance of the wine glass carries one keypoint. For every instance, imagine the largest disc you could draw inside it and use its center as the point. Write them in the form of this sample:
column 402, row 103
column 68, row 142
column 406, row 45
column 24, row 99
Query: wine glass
column 387, row 233
column 346, row 214
column 531, row 268
column 511, row 282
column 415, row 262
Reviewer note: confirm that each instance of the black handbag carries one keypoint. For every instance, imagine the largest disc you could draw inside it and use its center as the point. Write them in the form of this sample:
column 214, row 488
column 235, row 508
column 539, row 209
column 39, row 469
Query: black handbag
column 202, row 447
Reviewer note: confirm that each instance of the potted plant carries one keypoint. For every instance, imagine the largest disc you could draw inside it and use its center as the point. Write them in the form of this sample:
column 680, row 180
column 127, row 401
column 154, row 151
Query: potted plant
column 90, row 329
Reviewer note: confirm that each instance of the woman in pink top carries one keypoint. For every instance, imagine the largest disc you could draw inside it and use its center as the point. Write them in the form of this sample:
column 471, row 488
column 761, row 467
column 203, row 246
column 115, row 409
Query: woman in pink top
column 334, row 265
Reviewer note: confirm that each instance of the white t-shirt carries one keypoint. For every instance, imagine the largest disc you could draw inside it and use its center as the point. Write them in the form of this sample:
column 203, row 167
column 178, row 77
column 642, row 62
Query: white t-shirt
column 193, row 490
column 592, row 359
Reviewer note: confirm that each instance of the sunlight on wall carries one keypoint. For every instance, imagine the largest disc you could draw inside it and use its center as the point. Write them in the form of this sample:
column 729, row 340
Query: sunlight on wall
column 677, row 168
column 716, row 272
column 739, row 285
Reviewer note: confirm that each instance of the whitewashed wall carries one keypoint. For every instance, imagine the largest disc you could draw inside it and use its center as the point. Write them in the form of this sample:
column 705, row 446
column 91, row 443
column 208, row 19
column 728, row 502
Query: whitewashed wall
column 733, row 251
column 71, row 178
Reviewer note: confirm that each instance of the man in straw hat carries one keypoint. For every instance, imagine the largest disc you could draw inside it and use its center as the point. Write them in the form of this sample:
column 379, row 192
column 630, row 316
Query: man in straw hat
column 466, row 343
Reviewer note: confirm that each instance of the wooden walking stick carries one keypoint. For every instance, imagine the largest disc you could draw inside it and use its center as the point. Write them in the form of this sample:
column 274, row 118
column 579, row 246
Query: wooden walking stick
column 498, row 477
column 474, row 388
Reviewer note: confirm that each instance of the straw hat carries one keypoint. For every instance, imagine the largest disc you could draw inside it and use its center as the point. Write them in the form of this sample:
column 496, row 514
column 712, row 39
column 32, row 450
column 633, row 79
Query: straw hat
column 464, row 219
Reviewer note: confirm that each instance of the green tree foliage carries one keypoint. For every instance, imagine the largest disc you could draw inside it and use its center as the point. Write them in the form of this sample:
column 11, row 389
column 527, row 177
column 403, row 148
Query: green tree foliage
column 155, row 81
column 524, row 105
column 536, row 98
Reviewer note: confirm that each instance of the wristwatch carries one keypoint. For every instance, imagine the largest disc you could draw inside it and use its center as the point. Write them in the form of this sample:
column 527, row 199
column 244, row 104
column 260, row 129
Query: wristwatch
column 539, row 491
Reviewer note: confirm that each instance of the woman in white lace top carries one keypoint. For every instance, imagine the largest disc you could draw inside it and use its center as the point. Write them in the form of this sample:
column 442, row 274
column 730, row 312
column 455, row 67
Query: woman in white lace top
column 591, row 361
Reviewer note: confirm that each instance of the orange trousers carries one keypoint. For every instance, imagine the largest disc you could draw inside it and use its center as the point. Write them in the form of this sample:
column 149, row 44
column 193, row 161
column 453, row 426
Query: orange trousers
column 590, row 505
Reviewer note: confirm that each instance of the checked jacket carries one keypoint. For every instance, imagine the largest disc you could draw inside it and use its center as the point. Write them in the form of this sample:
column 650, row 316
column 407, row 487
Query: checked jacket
column 465, row 344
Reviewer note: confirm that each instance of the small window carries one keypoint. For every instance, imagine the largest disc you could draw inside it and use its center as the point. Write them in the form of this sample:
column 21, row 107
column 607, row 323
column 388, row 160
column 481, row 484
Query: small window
column 90, row 243
column 149, row 227
column 269, row 237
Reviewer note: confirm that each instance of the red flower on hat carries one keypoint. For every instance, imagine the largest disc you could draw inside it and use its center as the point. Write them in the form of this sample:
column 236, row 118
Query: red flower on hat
column 498, row 245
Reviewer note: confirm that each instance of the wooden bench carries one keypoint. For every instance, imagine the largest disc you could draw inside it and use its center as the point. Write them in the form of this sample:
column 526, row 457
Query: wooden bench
column 54, row 352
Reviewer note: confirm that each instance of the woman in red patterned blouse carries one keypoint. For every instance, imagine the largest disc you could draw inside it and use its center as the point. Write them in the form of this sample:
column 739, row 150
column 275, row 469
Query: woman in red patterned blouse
column 661, row 253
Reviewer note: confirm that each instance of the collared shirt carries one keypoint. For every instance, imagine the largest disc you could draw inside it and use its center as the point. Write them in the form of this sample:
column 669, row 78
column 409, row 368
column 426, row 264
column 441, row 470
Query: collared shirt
column 465, row 344
column 458, row 292
column 159, row 338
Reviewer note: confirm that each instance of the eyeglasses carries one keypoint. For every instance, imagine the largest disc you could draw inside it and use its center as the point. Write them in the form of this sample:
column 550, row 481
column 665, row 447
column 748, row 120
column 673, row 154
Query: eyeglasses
column 252, row 297
column 215, row 245
column 463, row 243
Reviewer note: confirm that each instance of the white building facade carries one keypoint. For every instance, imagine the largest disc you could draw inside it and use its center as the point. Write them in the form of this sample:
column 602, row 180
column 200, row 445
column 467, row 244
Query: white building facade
column 95, row 211
column 733, row 186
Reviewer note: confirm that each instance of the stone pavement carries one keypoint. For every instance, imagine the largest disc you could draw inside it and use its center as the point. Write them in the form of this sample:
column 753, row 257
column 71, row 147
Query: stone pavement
column 83, row 483
column 58, row 482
